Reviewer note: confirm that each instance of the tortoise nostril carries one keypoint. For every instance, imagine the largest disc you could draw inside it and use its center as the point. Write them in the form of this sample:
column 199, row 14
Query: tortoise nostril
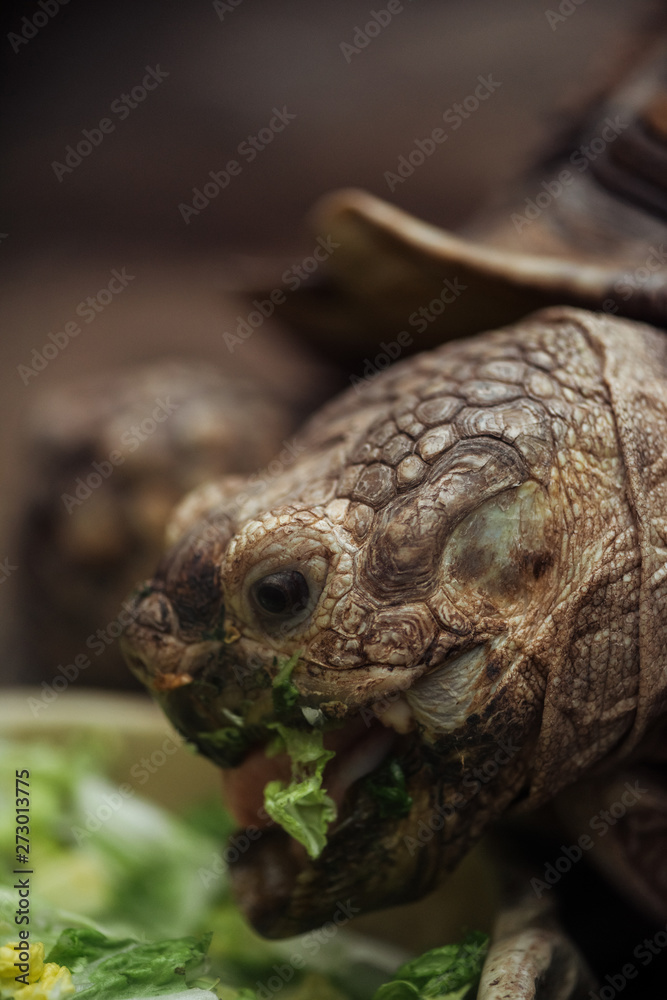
column 155, row 612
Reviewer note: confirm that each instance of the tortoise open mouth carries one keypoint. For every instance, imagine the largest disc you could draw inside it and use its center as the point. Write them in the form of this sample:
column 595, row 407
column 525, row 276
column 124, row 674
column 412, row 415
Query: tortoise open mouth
column 371, row 780
column 359, row 746
column 376, row 778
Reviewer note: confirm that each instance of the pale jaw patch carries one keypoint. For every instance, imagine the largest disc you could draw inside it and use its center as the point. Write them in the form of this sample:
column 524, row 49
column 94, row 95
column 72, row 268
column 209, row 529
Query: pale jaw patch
column 442, row 700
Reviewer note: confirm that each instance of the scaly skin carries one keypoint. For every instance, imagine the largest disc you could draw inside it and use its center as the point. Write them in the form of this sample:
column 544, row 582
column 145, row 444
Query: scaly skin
column 480, row 531
column 481, row 535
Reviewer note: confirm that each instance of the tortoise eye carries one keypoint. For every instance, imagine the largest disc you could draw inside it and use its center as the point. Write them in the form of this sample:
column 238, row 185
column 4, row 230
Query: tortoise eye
column 281, row 594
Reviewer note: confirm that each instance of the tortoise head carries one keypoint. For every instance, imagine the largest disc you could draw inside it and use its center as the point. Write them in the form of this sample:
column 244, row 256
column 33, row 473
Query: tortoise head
column 444, row 582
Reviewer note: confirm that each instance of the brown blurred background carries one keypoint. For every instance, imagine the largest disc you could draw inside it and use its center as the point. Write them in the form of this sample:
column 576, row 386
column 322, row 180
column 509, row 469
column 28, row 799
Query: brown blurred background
column 228, row 67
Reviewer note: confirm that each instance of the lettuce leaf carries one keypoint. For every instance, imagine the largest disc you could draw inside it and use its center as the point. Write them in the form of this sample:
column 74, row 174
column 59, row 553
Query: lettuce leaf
column 121, row 969
column 285, row 693
column 447, row 973
column 303, row 807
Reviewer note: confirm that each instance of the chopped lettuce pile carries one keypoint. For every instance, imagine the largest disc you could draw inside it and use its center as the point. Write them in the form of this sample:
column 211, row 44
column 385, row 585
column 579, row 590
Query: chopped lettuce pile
column 303, row 807
column 65, row 961
column 132, row 901
column 105, row 968
column 101, row 849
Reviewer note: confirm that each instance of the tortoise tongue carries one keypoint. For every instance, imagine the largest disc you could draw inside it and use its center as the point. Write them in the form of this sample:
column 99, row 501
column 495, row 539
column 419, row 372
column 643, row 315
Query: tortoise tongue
column 359, row 749
column 243, row 787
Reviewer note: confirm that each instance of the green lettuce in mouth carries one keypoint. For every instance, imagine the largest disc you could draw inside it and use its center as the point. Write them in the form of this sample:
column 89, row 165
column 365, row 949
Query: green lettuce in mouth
column 303, row 807
column 285, row 693
column 388, row 787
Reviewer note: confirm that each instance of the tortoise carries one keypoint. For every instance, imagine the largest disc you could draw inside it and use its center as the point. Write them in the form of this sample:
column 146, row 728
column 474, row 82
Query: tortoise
column 464, row 570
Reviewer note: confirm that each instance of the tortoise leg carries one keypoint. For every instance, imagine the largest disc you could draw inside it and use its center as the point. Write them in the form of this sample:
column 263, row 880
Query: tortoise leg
column 531, row 957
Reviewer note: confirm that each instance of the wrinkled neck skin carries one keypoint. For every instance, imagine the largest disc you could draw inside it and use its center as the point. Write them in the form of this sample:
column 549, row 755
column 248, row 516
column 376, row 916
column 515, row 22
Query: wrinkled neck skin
column 476, row 560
